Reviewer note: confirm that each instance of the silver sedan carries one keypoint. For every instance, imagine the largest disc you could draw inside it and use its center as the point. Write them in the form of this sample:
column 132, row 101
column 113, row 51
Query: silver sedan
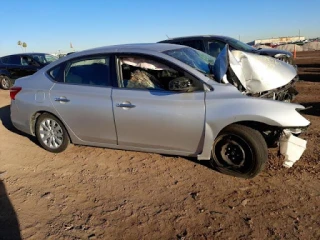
column 142, row 97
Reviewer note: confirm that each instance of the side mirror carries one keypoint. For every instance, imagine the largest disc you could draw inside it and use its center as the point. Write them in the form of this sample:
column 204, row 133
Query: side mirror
column 180, row 84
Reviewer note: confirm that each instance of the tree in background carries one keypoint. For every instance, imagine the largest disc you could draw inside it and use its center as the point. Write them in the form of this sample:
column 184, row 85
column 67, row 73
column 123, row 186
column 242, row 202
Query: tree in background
column 25, row 46
column 20, row 44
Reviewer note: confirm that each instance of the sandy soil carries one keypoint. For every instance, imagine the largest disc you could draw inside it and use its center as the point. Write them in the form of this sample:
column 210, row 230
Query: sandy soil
column 95, row 193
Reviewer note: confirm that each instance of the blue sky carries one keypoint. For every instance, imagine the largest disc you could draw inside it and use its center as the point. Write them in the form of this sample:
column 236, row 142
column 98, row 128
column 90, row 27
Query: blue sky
column 49, row 26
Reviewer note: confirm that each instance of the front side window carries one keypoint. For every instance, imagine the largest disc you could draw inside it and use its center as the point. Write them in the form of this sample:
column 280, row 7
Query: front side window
column 43, row 58
column 89, row 71
column 28, row 61
column 215, row 47
column 140, row 72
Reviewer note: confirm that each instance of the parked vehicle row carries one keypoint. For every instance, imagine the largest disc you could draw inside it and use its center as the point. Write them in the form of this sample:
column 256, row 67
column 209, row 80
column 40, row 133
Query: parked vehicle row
column 161, row 98
column 15, row 66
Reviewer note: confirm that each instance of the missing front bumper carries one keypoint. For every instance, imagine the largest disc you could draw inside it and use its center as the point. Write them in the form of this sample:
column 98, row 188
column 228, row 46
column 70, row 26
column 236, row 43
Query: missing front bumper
column 291, row 147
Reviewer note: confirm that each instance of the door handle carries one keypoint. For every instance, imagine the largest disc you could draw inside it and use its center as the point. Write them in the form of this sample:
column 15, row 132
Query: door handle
column 62, row 99
column 125, row 105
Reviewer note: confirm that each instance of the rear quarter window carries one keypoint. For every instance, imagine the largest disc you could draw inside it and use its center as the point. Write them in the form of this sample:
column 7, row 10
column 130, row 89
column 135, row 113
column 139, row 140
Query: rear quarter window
column 55, row 73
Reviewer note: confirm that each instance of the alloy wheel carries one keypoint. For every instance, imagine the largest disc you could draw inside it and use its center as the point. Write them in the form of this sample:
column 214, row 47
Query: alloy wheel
column 51, row 133
column 5, row 83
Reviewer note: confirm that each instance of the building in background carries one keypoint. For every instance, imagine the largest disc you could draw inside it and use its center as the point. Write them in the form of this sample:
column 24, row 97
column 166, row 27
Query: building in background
column 277, row 41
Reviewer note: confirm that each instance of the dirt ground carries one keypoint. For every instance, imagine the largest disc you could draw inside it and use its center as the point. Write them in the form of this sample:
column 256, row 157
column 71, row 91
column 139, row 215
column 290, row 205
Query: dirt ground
column 96, row 193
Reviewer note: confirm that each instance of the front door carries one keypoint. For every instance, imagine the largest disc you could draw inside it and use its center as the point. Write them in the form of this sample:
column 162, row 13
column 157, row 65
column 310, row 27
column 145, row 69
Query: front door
column 149, row 115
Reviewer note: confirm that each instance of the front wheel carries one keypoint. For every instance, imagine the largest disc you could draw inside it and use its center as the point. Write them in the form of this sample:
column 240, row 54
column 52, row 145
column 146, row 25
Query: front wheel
column 5, row 82
column 239, row 151
column 51, row 133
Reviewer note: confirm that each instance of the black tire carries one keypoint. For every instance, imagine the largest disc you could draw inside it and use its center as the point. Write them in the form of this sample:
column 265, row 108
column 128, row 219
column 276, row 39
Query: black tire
column 51, row 133
column 5, row 82
column 239, row 151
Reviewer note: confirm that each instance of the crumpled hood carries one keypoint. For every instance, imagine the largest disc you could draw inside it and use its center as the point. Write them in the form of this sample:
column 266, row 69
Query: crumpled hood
column 255, row 72
column 259, row 73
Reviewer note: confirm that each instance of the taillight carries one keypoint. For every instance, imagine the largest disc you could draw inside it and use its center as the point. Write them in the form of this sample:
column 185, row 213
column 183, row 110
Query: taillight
column 14, row 91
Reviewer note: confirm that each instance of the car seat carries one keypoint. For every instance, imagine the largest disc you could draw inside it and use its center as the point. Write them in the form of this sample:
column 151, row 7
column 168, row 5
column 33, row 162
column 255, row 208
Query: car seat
column 214, row 49
column 99, row 74
column 72, row 76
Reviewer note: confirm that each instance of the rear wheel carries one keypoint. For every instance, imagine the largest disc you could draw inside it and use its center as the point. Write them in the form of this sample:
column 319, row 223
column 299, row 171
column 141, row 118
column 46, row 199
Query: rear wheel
column 5, row 82
column 239, row 151
column 51, row 133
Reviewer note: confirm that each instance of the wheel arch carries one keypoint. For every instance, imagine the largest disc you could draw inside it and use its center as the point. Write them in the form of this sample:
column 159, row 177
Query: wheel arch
column 35, row 116
column 4, row 72
column 210, row 135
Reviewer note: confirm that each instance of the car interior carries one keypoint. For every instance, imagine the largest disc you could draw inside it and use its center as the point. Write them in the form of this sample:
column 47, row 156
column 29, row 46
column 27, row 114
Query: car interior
column 142, row 73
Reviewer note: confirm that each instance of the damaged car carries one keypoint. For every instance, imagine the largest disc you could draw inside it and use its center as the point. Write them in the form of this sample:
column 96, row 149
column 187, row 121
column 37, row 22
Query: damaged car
column 252, row 74
column 213, row 44
column 159, row 98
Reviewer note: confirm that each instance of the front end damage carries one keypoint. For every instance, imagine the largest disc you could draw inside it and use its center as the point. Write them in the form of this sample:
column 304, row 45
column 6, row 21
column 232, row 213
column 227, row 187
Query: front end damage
column 256, row 75
column 291, row 147
column 285, row 93
column 285, row 139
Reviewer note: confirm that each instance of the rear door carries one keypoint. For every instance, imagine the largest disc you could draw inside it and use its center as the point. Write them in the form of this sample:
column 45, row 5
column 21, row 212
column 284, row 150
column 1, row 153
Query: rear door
column 148, row 116
column 81, row 97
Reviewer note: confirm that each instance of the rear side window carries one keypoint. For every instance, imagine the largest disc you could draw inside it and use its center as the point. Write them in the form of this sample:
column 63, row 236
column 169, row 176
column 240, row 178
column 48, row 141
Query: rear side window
column 196, row 44
column 90, row 71
column 5, row 60
column 14, row 60
column 11, row 60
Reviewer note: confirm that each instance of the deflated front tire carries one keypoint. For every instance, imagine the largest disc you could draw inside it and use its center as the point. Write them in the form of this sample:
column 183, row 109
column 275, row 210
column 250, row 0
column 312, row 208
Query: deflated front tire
column 239, row 151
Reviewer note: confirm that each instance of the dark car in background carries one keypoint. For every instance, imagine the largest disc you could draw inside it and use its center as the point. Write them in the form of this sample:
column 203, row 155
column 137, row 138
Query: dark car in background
column 213, row 44
column 15, row 66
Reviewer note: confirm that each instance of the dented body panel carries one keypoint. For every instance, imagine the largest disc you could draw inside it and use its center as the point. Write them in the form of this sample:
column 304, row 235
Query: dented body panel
column 256, row 75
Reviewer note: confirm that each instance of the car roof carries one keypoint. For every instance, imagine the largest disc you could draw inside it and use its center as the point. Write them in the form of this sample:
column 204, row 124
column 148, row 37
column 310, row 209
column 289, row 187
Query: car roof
column 139, row 47
column 195, row 37
column 157, row 47
column 24, row 54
